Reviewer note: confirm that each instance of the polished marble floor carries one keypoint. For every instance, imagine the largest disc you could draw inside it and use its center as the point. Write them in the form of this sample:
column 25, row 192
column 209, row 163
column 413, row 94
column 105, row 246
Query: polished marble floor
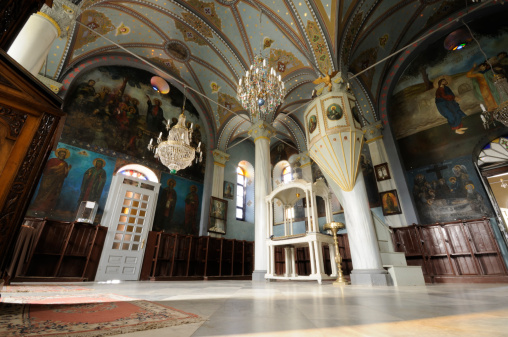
column 245, row 308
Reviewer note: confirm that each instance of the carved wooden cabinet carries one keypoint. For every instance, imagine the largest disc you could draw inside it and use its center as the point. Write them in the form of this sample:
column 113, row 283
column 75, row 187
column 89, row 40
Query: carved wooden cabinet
column 58, row 251
column 175, row 256
column 459, row 251
column 29, row 117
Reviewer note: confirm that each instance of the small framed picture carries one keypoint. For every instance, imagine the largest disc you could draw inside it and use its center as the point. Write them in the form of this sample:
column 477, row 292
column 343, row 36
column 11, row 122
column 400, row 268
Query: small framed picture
column 218, row 213
column 229, row 190
column 382, row 172
column 390, row 202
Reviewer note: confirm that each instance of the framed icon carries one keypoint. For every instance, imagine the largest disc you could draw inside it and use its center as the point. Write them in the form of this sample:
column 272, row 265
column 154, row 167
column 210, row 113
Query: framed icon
column 390, row 202
column 382, row 172
column 218, row 215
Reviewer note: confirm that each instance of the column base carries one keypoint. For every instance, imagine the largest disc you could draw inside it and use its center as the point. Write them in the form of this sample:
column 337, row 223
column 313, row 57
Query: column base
column 370, row 277
column 258, row 275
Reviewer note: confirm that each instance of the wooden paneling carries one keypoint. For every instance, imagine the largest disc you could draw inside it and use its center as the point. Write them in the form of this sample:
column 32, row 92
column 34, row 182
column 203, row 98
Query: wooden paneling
column 459, row 251
column 63, row 251
column 175, row 256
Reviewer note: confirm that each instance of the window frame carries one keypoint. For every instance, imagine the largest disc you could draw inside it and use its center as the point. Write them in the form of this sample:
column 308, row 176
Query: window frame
column 290, row 174
column 238, row 168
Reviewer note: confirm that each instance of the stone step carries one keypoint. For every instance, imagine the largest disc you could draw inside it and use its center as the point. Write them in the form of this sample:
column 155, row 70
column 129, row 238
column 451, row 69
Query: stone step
column 393, row 259
column 406, row 276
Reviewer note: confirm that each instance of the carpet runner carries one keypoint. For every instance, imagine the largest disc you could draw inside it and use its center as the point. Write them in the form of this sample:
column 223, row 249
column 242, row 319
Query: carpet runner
column 88, row 319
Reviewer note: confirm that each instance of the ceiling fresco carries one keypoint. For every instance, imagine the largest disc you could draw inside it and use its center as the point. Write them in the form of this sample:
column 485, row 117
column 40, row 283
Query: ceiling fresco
column 208, row 45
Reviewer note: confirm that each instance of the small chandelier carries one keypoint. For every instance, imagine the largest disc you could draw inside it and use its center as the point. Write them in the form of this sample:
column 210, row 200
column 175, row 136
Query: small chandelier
column 176, row 153
column 261, row 90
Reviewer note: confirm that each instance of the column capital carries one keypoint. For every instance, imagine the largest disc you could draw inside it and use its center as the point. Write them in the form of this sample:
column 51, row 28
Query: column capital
column 220, row 158
column 373, row 132
column 61, row 15
column 261, row 129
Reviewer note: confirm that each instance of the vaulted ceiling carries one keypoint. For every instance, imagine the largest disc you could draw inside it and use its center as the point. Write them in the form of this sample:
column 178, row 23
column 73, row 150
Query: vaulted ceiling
column 209, row 44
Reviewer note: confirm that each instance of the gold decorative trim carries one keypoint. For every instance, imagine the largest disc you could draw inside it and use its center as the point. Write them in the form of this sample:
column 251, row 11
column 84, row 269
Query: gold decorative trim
column 255, row 139
column 50, row 19
column 219, row 164
column 306, row 164
column 373, row 139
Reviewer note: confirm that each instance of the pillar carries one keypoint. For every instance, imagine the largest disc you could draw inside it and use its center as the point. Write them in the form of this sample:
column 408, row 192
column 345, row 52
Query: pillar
column 261, row 132
column 31, row 47
column 219, row 163
column 335, row 140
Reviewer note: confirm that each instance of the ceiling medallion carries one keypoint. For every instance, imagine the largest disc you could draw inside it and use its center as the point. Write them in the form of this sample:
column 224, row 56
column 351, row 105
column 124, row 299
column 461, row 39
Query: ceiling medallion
column 177, row 50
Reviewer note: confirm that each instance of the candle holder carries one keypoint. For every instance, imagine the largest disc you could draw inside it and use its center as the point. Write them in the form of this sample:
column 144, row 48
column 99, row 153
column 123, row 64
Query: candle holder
column 334, row 227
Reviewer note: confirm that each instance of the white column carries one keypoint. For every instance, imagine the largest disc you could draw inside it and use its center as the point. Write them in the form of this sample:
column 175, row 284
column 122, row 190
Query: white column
column 261, row 132
column 32, row 45
column 312, row 258
column 219, row 162
column 365, row 255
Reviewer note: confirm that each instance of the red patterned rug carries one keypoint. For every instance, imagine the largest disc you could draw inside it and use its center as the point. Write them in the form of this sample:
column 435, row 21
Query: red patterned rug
column 88, row 319
column 63, row 299
column 42, row 288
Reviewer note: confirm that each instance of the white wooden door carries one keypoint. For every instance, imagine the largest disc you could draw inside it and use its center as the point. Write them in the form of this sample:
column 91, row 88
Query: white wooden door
column 128, row 214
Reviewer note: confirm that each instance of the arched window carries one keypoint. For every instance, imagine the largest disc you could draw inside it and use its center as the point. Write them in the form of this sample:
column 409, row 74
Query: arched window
column 240, row 193
column 134, row 173
column 286, row 174
column 138, row 171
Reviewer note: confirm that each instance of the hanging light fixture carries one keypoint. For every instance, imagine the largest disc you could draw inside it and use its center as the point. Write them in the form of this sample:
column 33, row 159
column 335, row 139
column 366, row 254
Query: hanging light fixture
column 159, row 84
column 261, row 90
column 175, row 152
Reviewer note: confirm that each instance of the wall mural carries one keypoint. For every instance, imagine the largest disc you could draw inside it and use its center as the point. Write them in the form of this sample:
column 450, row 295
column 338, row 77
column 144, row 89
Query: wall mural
column 116, row 108
column 178, row 206
column 435, row 108
column 281, row 151
column 72, row 175
column 448, row 191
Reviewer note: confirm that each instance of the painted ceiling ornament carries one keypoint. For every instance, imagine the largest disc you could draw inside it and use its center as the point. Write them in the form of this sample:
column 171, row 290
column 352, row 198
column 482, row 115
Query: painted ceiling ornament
column 177, row 50
column 208, row 9
column 267, row 42
column 335, row 136
column 285, row 61
column 382, row 40
column 215, row 87
column 188, row 33
column 96, row 21
column 122, row 30
column 167, row 63
column 319, row 46
column 197, row 24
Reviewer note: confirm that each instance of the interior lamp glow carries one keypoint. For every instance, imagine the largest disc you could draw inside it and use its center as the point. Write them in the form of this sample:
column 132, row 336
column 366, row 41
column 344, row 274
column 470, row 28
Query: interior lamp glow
column 159, row 85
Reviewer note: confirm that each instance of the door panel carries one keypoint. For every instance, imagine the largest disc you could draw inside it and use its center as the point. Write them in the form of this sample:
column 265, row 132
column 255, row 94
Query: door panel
column 130, row 220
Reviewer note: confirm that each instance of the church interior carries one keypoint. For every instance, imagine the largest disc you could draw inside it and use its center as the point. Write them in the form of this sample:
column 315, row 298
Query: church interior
column 246, row 167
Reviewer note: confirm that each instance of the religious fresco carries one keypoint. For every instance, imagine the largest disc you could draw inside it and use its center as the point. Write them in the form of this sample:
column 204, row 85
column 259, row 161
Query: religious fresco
column 115, row 108
column 448, row 191
column 72, row 175
column 435, row 110
column 282, row 151
column 178, row 206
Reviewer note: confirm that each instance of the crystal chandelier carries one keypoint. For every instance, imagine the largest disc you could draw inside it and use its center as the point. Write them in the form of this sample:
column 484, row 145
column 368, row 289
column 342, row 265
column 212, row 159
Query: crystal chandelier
column 261, row 90
column 176, row 153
